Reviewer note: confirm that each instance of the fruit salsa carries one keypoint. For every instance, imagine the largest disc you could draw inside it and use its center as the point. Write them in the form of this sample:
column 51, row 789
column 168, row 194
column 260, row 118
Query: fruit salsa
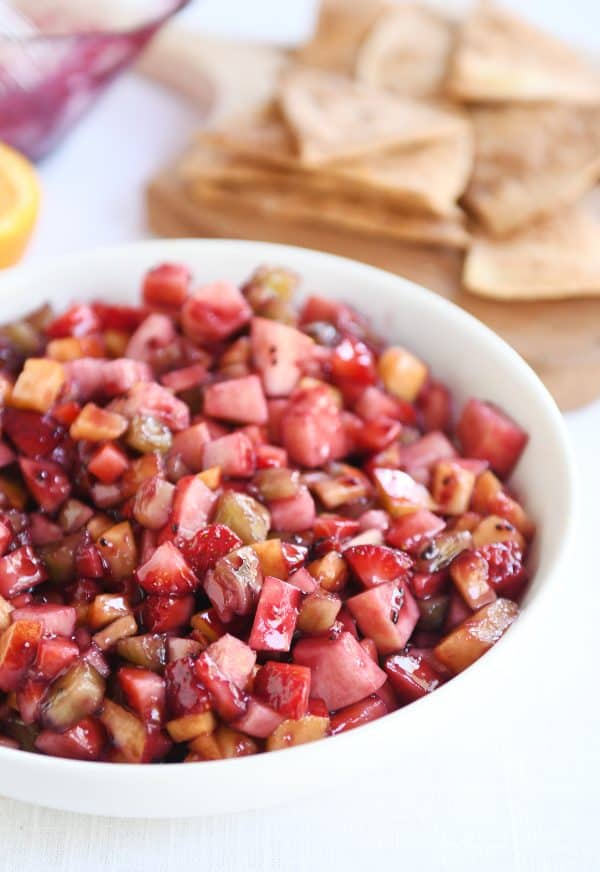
column 230, row 526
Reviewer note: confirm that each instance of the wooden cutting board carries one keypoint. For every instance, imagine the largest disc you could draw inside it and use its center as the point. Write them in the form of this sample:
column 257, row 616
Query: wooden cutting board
column 559, row 339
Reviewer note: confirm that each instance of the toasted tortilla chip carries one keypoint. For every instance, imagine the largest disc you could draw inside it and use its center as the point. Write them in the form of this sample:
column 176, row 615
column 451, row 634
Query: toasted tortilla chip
column 530, row 160
column 552, row 259
column 425, row 179
column 341, row 27
column 373, row 218
column 407, row 50
column 334, row 118
column 501, row 57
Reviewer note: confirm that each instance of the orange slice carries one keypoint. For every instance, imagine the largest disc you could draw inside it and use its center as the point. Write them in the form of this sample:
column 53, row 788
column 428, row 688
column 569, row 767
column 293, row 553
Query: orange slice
column 19, row 204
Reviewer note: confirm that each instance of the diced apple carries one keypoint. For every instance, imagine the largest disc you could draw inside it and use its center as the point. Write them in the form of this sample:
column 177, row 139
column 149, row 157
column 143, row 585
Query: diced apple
column 452, row 487
column 275, row 617
column 118, row 550
column 126, row 731
column 234, row 658
column 399, row 493
column 298, row 732
column 75, row 695
column 152, row 503
column 38, row 385
column 238, row 399
column 318, row 612
column 476, row 635
column 109, row 636
column 259, row 720
column 387, row 614
column 214, row 312
column 150, row 398
column 469, row 572
column 295, row 513
column 188, row 727
column 279, row 351
column 233, row 453
column 54, row 619
column 487, row 433
column 402, row 374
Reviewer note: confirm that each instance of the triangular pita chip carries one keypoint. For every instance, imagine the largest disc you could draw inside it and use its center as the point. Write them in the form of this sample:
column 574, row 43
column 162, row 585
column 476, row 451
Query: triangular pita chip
column 334, row 118
column 425, row 179
column 261, row 134
column 530, row 160
column 407, row 50
column 341, row 27
column 501, row 57
column 552, row 259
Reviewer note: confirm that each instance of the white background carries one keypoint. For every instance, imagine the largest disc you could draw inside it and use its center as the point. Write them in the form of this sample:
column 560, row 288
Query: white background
column 516, row 789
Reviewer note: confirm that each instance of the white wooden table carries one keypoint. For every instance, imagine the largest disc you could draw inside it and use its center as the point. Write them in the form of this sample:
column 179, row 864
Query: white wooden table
column 520, row 795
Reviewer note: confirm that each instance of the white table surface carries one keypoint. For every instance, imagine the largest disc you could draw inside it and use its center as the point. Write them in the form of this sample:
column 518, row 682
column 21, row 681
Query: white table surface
column 521, row 794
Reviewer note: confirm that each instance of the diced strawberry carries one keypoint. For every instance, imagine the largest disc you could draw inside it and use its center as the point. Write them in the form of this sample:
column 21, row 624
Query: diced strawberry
column 357, row 714
column 238, row 399
column 411, row 676
column 234, row 453
column 108, row 463
column 303, row 580
column 271, row 457
column 427, row 451
column 293, row 514
column 214, row 312
column 375, row 564
column 279, row 352
column 228, row 700
column 166, row 614
column 83, row 741
column 387, row 614
column 145, row 693
column 189, row 445
column 375, row 435
column 317, row 708
column 347, row 622
column 6, row 536
column 185, row 692
column 234, row 658
column 121, row 318
column 374, row 403
column 409, row 531
column 435, row 403
column 79, row 320
column 311, row 426
column 29, row 698
column 506, row 574
column 7, row 455
column 277, row 408
column 155, row 332
column 166, row 285
column 374, row 519
column 342, row 673
column 353, row 361
column 46, row 481
column 85, row 378
column 285, row 687
column 207, row 546
column 119, row 375
column 34, row 435
column 54, row 619
column 18, row 647
column 275, row 617
column 428, row 584
column 54, row 655
column 487, row 433
column 193, row 502
column 19, row 571
column 259, row 719
column 167, row 573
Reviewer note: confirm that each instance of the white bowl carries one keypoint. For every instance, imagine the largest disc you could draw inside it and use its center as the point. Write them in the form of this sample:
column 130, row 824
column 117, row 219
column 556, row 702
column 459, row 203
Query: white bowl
column 461, row 351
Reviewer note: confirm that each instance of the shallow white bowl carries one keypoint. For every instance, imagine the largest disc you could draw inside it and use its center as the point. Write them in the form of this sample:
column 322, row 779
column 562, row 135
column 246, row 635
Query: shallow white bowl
column 461, row 351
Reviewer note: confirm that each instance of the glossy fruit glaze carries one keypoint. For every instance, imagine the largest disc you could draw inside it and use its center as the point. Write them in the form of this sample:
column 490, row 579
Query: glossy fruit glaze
column 228, row 525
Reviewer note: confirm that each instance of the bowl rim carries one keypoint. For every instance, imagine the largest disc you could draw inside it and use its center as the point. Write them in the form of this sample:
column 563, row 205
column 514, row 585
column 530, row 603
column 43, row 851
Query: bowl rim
column 154, row 775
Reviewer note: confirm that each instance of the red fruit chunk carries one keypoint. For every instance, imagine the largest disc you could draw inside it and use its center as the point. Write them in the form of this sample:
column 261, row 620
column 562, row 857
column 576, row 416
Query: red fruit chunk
column 506, row 574
column 152, row 503
column 311, row 426
column 435, row 403
column 357, row 714
column 469, row 572
column 270, row 457
column 411, row 676
column 166, row 285
column 179, row 380
column 121, row 318
column 234, row 583
column 42, row 530
column 7, row 455
column 46, row 482
column 375, row 564
column 476, row 635
column 374, row 403
column 192, row 504
column 285, row 687
column 79, row 320
column 207, row 546
column 214, row 312
column 228, row 700
column 259, row 719
column 166, row 614
column 83, row 741
column 18, row 647
column 119, row 375
column 29, row 698
column 376, row 435
column 408, row 532
column 155, row 332
column 334, row 530
column 276, row 616
column 317, row 708
column 167, row 573
column 428, row 584
column 238, row 399
column 342, row 673
column 234, row 658
column 279, row 352
column 145, row 693
column 108, row 463
column 34, row 435
column 186, row 694
column 400, row 493
column 189, row 445
column 54, row 619
column 293, row 514
column 458, row 611
column 149, row 398
column 234, row 453
column 19, row 571
column 487, row 433
column 303, row 580
column 6, row 536
column 53, row 656
column 84, row 378
column 353, row 361
column 427, row 451
column 178, row 648
column 387, row 614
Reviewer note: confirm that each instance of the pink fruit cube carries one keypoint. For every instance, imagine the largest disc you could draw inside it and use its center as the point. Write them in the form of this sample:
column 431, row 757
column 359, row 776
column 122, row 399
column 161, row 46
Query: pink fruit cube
column 214, row 312
column 487, row 433
column 259, row 719
column 54, row 655
column 234, row 584
column 234, row 453
column 293, row 514
column 228, row 700
column 238, row 399
column 234, row 658
column 156, row 331
column 410, row 531
column 46, row 481
column 376, row 564
column 152, row 502
column 342, row 672
column 108, row 463
column 144, row 692
column 411, row 676
column 186, row 694
column 167, row 573
column 18, row 647
column 54, row 619
column 150, row 398
column 19, row 571
column 387, row 614
column 426, row 451
column 276, row 616
column 83, row 741
column 118, row 376
column 303, row 580
column 285, row 687
column 167, row 614
column 357, row 714
column 167, row 285
column 311, row 427
column 279, row 351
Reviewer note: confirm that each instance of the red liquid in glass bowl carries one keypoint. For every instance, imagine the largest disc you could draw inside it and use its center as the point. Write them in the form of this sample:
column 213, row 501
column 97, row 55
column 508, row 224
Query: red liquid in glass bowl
column 47, row 81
